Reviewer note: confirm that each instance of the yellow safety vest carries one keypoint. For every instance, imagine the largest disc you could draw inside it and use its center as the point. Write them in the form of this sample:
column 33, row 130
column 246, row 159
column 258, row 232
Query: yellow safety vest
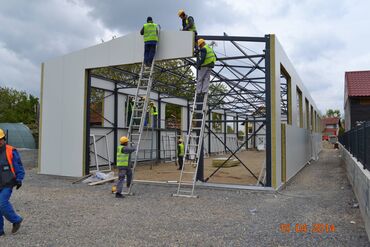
column 210, row 56
column 122, row 158
column 150, row 32
column 153, row 111
column 192, row 28
column 182, row 150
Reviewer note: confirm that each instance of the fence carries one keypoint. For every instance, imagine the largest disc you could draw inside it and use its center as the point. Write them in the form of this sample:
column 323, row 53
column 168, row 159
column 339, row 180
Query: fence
column 357, row 142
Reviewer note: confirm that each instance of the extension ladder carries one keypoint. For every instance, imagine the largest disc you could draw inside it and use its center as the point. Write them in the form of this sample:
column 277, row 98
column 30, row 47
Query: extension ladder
column 139, row 111
column 193, row 143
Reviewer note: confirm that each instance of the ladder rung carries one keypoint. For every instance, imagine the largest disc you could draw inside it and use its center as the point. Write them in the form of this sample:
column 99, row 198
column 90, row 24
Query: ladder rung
column 189, row 172
column 197, row 120
column 184, row 183
column 186, row 191
column 198, row 110
column 136, row 117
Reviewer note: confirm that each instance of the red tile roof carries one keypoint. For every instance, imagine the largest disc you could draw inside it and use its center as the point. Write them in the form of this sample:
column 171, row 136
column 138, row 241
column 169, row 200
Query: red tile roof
column 330, row 120
column 358, row 83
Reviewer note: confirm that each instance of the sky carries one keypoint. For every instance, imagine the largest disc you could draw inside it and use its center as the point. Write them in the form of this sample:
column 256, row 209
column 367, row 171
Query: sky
column 323, row 39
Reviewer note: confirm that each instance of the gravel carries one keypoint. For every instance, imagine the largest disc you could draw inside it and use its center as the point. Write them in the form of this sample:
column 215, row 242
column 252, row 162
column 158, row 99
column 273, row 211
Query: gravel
column 57, row 213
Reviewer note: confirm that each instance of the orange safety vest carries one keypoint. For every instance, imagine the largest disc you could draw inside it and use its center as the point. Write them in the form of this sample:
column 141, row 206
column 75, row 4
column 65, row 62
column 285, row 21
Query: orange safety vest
column 9, row 157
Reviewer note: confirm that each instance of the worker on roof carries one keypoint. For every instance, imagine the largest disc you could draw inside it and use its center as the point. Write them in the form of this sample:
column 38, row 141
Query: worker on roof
column 150, row 32
column 180, row 153
column 187, row 22
column 11, row 175
column 206, row 61
column 124, row 165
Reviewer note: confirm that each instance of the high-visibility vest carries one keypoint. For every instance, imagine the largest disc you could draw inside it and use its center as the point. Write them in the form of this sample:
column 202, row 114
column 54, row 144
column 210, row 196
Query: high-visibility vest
column 210, row 56
column 122, row 158
column 182, row 149
column 7, row 172
column 153, row 111
column 150, row 32
column 192, row 28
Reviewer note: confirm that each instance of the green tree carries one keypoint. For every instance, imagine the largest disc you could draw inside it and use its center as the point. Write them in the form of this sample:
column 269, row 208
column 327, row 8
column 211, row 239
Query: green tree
column 18, row 107
column 333, row 113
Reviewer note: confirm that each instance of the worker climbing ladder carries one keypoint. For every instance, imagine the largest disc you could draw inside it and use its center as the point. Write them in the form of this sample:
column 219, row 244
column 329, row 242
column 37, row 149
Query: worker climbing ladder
column 139, row 111
column 193, row 146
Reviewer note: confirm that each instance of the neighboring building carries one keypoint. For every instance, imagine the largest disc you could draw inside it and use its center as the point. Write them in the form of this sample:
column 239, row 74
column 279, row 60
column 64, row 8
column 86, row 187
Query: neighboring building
column 356, row 98
column 331, row 127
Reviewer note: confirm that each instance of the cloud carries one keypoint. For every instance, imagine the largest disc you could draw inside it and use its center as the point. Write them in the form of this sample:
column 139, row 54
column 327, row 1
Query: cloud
column 323, row 39
column 34, row 31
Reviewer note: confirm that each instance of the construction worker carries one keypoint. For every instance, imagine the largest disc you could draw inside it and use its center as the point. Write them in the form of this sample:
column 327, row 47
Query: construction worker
column 153, row 114
column 124, row 165
column 150, row 32
column 187, row 22
column 180, row 153
column 206, row 61
column 11, row 174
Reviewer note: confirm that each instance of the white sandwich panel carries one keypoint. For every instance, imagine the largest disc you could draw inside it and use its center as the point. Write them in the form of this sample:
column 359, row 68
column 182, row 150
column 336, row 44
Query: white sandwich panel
column 63, row 99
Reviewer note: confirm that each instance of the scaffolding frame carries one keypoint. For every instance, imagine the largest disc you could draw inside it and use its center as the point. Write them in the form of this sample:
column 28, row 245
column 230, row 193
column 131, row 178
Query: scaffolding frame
column 245, row 76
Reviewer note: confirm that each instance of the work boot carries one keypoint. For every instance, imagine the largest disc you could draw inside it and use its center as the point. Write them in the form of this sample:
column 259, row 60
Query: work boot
column 16, row 226
column 119, row 195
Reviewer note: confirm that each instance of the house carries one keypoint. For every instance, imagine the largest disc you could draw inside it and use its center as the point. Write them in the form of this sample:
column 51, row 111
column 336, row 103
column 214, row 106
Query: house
column 356, row 98
column 331, row 127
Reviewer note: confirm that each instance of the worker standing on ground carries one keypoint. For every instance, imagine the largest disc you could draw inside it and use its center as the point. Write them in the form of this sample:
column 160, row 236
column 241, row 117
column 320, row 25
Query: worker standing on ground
column 11, row 174
column 150, row 32
column 206, row 61
column 180, row 153
column 187, row 22
column 124, row 165
column 153, row 114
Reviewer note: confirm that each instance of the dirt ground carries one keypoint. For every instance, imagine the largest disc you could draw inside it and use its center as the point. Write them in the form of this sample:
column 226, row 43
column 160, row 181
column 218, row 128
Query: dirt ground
column 233, row 175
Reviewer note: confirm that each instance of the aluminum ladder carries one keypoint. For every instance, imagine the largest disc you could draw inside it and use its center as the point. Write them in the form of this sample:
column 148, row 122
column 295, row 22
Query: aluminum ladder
column 193, row 142
column 138, row 114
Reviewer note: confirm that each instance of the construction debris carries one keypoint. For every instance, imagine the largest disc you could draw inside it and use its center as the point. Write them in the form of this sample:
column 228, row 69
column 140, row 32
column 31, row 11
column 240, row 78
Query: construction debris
column 98, row 178
column 217, row 162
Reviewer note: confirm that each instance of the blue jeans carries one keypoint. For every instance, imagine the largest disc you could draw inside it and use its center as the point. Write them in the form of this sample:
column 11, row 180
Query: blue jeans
column 6, row 208
column 149, row 52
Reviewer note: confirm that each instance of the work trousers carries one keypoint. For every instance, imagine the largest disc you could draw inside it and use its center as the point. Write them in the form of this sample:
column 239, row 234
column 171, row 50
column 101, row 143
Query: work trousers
column 122, row 173
column 181, row 161
column 149, row 53
column 204, row 75
column 6, row 208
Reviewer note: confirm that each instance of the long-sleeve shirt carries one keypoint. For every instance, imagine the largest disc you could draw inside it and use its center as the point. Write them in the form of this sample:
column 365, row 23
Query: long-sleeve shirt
column 17, row 165
column 190, row 23
column 202, row 57
column 128, row 150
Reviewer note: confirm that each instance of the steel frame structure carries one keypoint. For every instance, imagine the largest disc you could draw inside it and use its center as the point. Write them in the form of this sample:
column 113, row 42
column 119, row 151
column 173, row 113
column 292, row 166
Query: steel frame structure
column 244, row 74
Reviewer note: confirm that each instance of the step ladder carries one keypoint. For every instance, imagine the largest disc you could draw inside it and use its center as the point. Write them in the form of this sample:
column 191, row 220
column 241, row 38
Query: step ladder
column 139, row 111
column 193, row 147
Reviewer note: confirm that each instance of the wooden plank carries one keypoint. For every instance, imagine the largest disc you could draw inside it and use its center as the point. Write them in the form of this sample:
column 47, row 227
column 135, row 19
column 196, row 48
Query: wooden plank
column 103, row 181
column 82, row 178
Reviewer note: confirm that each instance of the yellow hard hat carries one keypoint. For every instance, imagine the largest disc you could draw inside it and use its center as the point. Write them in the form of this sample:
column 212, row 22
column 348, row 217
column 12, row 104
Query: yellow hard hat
column 181, row 12
column 2, row 134
column 201, row 41
column 123, row 139
column 151, row 103
column 180, row 140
